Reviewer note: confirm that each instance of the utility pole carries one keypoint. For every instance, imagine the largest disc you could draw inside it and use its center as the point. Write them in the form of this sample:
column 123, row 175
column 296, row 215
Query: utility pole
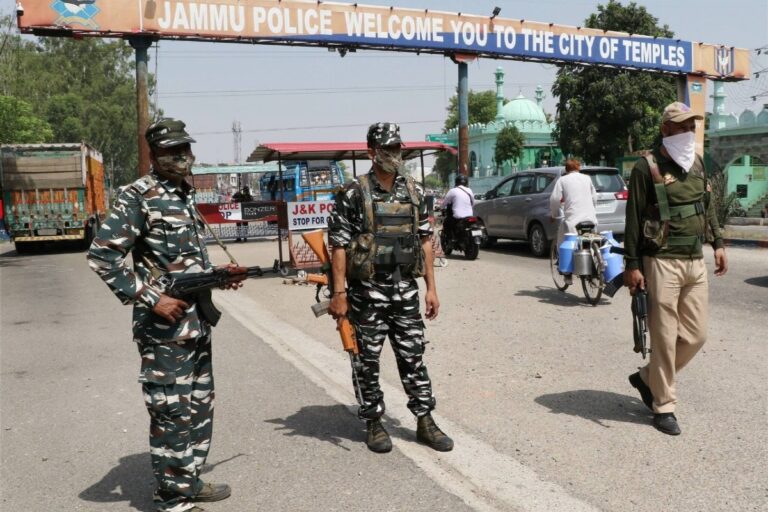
column 141, row 44
column 463, row 104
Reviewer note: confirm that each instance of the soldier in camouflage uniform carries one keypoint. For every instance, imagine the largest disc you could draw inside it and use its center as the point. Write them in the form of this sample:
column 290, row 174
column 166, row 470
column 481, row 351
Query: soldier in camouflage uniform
column 156, row 220
column 380, row 234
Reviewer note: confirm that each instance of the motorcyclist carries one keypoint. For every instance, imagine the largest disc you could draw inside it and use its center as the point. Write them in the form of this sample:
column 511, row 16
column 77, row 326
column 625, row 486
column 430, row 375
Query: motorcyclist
column 457, row 204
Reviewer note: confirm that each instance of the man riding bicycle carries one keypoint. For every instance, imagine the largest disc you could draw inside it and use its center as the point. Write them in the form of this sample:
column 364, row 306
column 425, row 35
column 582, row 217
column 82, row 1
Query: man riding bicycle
column 576, row 194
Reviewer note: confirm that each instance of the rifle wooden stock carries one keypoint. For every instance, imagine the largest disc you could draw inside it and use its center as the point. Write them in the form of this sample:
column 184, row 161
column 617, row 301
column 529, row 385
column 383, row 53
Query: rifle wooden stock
column 316, row 241
column 320, row 279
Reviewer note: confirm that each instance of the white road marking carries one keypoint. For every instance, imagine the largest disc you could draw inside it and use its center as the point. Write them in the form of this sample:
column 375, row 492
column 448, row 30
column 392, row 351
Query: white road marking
column 486, row 480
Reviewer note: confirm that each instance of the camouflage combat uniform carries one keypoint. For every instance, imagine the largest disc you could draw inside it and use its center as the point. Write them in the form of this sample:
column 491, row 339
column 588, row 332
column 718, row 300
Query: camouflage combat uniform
column 383, row 306
column 156, row 221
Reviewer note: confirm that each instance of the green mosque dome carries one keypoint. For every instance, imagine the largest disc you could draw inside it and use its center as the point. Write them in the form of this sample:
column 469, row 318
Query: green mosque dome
column 523, row 109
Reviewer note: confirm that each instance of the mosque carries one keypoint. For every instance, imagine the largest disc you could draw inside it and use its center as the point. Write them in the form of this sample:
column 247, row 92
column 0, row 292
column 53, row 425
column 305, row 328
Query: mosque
column 528, row 117
column 738, row 144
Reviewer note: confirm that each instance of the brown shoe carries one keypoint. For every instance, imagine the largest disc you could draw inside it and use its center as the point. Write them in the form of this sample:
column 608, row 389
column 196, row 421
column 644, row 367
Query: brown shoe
column 428, row 433
column 213, row 492
column 378, row 439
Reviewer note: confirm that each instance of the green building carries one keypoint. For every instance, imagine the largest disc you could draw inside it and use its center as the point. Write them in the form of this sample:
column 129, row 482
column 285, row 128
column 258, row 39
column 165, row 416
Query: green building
column 739, row 145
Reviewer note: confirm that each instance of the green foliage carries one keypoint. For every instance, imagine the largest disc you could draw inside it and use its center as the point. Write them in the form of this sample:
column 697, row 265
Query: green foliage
column 605, row 113
column 19, row 125
column 83, row 89
column 481, row 108
column 509, row 145
column 725, row 205
column 445, row 164
column 433, row 181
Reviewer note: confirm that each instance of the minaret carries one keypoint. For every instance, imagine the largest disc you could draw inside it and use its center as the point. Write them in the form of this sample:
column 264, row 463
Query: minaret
column 717, row 122
column 539, row 96
column 499, row 93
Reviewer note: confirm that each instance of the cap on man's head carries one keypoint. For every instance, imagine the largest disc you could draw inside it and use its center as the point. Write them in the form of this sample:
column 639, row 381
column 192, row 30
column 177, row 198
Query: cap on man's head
column 678, row 112
column 167, row 132
column 383, row 134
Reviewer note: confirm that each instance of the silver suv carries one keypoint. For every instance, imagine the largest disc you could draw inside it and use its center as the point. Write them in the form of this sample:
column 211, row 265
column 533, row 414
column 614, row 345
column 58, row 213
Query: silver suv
column 518, row 207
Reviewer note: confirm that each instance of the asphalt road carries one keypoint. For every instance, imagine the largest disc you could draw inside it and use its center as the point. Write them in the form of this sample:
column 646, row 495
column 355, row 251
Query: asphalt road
column 531, row 383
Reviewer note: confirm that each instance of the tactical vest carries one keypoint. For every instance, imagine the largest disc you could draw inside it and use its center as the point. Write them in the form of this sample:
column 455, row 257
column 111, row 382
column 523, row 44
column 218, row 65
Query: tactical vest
column 389, row 242
column 656, row 222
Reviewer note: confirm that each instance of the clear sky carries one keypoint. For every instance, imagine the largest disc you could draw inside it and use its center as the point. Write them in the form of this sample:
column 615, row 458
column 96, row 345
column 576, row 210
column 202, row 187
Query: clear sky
column 281, row 94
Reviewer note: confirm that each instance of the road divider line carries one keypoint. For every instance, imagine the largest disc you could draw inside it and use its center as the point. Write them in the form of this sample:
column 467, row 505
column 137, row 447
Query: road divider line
column 485, row 479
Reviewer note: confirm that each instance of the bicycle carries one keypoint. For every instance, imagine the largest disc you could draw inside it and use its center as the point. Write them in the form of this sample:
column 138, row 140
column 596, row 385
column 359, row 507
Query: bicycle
column 589, row 264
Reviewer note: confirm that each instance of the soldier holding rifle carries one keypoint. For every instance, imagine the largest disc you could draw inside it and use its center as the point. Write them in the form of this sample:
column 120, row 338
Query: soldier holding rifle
column 669, row 217
column 380, row 238
column 156, row 220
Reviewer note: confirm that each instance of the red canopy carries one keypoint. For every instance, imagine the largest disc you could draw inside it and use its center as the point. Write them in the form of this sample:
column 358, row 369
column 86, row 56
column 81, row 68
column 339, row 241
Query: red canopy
column 271, row 151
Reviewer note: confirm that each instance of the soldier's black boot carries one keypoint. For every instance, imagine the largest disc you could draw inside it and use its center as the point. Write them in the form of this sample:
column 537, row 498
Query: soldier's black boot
column 428, row 433
column 213, row 492
column 378, row 439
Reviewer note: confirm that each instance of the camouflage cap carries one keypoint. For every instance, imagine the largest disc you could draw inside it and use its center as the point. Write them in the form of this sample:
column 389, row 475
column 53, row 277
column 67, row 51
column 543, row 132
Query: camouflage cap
column 167, row 132
column 383, row 134
column 678, row 112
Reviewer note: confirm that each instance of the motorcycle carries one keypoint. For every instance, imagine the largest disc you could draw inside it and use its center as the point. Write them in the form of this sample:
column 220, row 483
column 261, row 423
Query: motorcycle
column 467, row 235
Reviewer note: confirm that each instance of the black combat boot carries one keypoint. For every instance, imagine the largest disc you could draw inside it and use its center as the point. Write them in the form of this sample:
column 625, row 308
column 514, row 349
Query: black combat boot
column 428, row 433
column 378, row 439
column 213, row 492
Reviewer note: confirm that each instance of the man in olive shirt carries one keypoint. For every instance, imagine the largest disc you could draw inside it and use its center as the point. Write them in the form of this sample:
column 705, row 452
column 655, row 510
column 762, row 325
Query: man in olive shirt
column 671, row 182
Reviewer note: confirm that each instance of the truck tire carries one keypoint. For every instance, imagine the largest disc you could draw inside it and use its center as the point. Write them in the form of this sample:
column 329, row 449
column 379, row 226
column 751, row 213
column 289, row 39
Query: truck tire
column 90, row 233
column 24, row 247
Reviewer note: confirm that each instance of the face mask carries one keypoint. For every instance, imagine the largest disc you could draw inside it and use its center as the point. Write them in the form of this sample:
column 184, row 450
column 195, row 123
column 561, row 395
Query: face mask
column 681, row 148
column 177, row 165
column 389, row 160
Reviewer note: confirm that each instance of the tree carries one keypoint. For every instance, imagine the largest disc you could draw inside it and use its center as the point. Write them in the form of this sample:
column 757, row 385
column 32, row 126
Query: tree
column 604, row 113
column 431, row 181
column 481, row 107
column 19, row 125
column 445, row 164
column 83, row 89
column 509, row 145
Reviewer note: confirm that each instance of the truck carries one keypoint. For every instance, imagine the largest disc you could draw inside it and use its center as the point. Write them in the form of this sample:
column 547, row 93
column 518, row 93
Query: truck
column 52, row 193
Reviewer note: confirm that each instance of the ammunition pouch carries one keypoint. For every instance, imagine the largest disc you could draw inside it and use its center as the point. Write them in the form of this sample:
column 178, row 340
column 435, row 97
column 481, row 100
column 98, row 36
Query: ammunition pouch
column 361, row 255
column 370, row 254
column 655, row 230
column 403, row 252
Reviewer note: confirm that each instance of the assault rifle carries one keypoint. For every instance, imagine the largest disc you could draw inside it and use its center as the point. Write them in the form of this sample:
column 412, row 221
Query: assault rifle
column 640, row 321
column 639, row 309
column 315, row 240
column 197, row 286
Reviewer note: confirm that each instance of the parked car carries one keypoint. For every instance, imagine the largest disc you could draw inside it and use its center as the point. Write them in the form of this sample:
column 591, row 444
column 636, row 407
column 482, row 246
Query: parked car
column 518, row 207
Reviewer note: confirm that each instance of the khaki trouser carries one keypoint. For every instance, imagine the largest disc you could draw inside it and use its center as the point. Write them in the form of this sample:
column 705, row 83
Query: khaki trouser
column 677, row 322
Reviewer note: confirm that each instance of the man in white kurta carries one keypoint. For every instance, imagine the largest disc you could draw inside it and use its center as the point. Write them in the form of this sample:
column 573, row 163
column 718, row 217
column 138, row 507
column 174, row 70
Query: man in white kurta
column 576, row 195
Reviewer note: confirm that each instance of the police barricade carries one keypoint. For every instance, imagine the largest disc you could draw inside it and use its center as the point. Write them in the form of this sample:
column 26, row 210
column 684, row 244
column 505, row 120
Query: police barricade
column 244, row 220
column 305, row 216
